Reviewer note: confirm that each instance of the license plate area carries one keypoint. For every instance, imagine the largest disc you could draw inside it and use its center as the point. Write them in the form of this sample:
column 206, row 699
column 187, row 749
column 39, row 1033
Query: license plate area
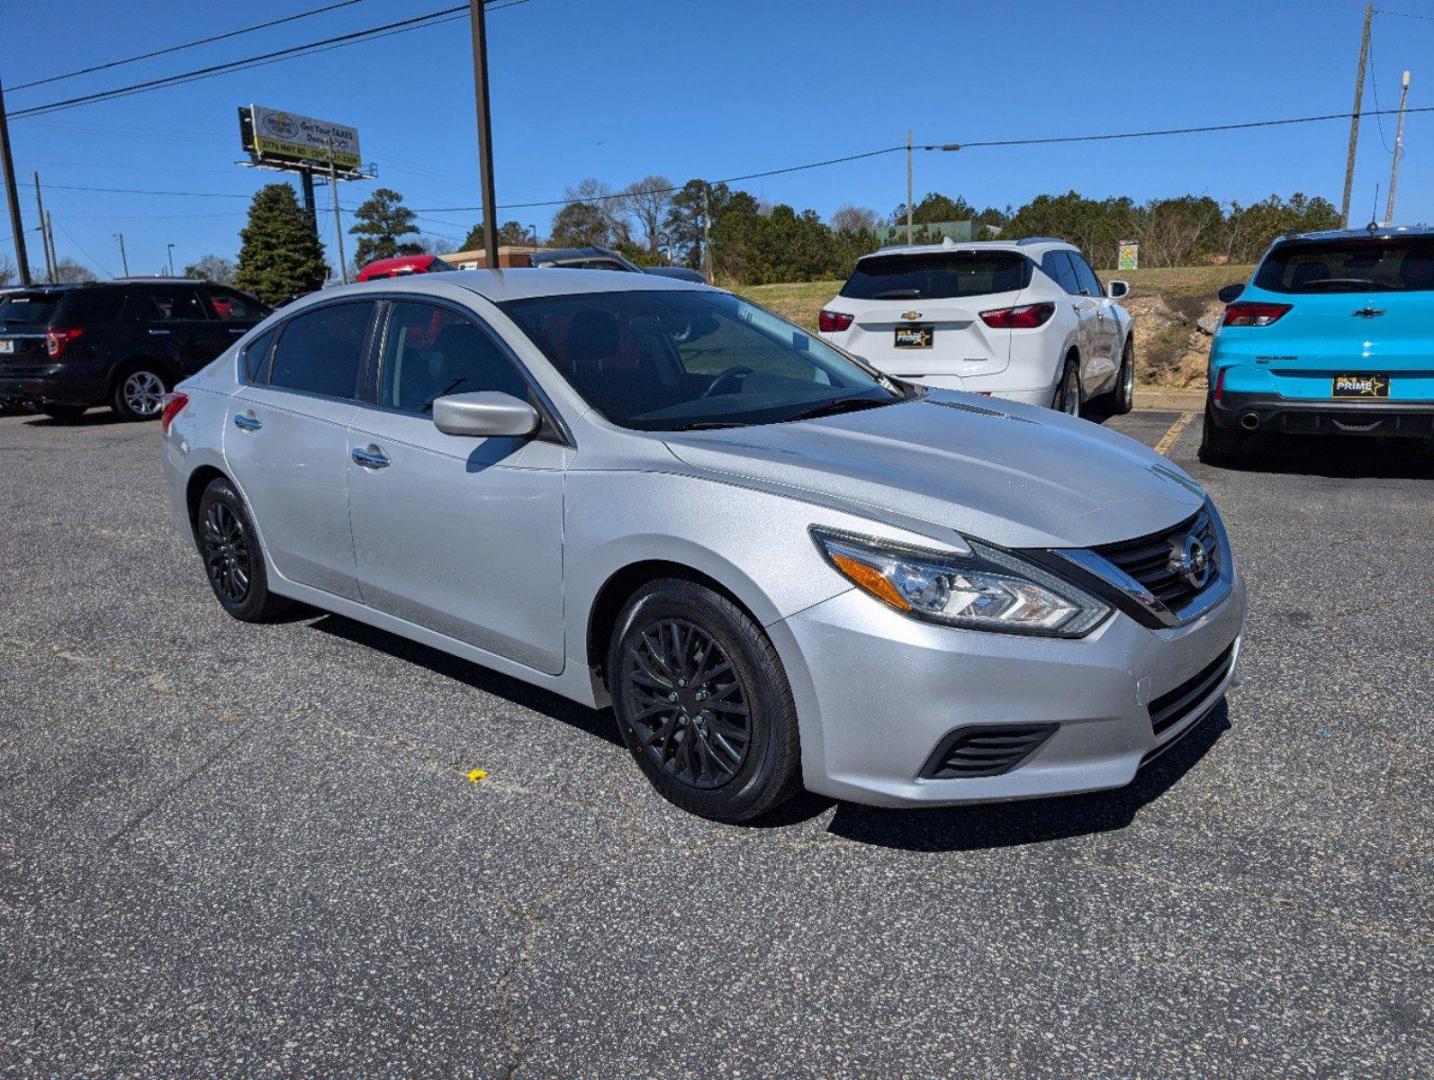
column 1360, row 386
column 914, row 337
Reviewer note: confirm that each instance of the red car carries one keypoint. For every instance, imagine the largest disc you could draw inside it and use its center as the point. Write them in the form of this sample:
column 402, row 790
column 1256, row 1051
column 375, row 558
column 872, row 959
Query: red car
column 403, row 265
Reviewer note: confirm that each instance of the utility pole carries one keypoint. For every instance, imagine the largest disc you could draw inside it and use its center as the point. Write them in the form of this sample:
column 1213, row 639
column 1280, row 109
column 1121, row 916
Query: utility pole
column 908, row 187
column 12, row 195
column 124, row 261
column 50, row 245
column 44, row 231
column 707, row 231
column 338, row 221
column 1398, row 149
column 1354, row 118
column 485, row 132
column 169, row 253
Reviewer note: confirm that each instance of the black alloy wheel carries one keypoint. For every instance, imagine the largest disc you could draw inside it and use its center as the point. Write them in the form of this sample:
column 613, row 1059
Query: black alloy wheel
column 228, row 555
column 691, row 710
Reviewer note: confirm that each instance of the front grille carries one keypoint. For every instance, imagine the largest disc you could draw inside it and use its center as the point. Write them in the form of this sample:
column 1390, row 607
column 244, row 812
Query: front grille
column 1170, row 708
column 984, row 751
column 1154, row 560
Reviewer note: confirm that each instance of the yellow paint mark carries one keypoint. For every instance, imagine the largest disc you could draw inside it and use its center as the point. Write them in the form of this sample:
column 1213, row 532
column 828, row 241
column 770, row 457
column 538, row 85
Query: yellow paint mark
column 475, row 775
column 1168, row 440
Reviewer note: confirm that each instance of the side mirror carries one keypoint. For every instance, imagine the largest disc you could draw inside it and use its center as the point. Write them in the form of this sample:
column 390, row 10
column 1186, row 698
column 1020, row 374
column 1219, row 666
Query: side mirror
column 1230, row 293
column 484, row 414
column 1117, row 289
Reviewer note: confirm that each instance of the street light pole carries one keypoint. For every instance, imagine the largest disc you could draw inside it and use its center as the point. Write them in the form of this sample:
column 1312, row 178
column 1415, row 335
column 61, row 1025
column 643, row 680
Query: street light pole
column 485, row 132
column 338, row 220
column 169, row 251
column 124, row 261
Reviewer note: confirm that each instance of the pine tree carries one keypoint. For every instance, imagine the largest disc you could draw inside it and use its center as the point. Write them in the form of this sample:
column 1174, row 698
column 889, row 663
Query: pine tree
column 279, row 255
column 379, row 223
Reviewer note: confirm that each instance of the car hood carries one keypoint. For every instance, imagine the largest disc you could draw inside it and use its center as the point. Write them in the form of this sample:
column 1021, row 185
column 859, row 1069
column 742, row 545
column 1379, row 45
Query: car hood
column 1012, row 474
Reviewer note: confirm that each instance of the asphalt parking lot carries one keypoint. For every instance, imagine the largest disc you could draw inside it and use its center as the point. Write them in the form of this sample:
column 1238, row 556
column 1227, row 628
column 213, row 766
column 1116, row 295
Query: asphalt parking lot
column 238, row 850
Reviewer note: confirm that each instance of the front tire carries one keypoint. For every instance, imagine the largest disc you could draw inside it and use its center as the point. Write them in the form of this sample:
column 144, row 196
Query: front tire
column 139, row 393
column 702, row 702
column 233, row 561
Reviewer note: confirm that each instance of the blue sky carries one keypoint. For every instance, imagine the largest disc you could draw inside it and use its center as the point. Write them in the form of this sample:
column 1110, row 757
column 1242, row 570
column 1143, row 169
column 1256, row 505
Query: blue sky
column 620, row 89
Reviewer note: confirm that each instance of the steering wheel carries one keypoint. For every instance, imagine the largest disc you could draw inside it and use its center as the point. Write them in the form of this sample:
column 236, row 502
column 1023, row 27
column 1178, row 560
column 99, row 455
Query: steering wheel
column 732, row 374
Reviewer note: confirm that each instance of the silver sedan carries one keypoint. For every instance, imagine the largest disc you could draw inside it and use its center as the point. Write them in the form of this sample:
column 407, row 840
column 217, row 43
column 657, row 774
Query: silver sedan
column 781, row 567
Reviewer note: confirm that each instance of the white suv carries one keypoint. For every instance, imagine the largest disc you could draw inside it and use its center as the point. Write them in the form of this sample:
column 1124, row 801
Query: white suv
column 1022, row 319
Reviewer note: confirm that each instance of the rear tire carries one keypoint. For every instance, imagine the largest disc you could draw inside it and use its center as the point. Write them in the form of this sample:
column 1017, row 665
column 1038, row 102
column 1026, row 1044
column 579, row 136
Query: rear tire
column 233, row 560
column 139, row 392
column 702, row 702
column 1068, row 397
column 64, row 414
column 1220, row 445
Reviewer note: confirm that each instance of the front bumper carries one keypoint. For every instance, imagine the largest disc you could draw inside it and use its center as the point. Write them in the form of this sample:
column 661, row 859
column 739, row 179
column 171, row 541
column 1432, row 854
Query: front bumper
column 54, row 384
column 1263, row 412
column 991, row 385
column 877, row 693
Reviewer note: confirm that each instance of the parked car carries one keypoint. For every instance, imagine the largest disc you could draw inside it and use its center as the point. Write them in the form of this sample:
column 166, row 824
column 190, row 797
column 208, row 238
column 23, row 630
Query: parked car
column 400, row 265
column 1333, row 335
column 780, row 566
column 65, row 348
column 601, row 258
column 1026, row 320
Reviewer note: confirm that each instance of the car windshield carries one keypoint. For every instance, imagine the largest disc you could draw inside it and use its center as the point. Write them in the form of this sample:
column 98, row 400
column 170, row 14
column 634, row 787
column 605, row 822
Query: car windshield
column 941, row 275
column 672, row 360
column 1350, row 265
column 28, row 309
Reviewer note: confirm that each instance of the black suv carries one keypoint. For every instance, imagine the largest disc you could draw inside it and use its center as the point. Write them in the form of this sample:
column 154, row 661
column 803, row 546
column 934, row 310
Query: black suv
column 64, row 348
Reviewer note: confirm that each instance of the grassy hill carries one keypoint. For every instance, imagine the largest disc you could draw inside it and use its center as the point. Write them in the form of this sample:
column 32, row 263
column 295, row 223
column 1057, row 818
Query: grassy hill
column 1166, row 305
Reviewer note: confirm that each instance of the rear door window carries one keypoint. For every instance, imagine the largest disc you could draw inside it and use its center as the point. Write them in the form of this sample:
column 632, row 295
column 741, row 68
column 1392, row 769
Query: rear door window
column 942, row 275
column 227, row 305
column 1057, row 266
column 1350, row 265
column 321, row 351
column 177, row 305
column 20, row 311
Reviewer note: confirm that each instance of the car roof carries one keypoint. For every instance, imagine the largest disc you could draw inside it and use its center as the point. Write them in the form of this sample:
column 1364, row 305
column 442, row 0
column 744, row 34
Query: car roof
column 522, row 283
column 1042, row 243
column 1379, row 232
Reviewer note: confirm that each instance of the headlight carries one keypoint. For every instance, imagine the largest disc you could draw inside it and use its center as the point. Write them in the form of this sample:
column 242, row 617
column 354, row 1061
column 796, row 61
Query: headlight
column 989, row 589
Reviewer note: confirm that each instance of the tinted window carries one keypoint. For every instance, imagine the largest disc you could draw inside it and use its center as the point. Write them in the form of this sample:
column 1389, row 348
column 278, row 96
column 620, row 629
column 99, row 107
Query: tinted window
column 256, row 353
column 677, row 359
column 1057, row 266
column 28, row 309
column 228, row 306
column 1357, row 264
column 430, row 351
column 321, row 351
column 1089, row 283
column 172, row 305
column 938, row 276
column 85, row 306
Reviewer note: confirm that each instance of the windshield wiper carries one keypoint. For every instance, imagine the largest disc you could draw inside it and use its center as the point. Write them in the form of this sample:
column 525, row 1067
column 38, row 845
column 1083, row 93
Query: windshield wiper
column 840, row 405
column 705, row 425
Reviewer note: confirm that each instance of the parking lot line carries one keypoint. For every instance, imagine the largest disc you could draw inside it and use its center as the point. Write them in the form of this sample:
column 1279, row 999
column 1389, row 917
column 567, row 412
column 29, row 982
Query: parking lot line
column 1168, row 439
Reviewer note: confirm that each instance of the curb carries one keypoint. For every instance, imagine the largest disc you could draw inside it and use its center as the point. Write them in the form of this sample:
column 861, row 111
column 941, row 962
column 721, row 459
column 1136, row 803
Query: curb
column 1170, row 400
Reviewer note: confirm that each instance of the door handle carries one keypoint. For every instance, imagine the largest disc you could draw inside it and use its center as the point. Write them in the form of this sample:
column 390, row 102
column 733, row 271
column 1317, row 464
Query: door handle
column 157, row 333
column 248, row 422
column 371, row 458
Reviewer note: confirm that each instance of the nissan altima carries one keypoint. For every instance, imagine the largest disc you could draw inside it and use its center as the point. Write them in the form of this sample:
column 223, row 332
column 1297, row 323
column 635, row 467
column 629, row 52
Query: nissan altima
column 780, row 566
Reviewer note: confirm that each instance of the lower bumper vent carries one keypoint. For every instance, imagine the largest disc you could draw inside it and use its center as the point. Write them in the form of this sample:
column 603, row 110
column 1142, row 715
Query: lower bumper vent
column 1170, row 708
column 984, row 751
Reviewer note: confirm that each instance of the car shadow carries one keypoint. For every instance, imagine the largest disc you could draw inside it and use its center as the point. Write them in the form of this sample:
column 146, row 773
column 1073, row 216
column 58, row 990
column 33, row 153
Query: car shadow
column 589, row 721
column 1012, row 824
column 93, row 418
column 1338, row 457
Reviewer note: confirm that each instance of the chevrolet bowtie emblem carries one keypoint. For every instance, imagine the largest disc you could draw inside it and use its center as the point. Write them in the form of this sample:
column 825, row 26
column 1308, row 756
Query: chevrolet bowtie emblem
column 909, row 315
column 1367, row 313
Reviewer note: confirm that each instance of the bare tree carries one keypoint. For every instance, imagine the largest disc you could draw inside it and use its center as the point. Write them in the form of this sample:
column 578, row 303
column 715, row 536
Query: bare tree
column 7, row 271
column 853, row 218
column 648, row 200
column 612, row 205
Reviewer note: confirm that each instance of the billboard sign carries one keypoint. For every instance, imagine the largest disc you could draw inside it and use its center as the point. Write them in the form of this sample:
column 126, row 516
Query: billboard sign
column 290, row 139
column 1128, row 256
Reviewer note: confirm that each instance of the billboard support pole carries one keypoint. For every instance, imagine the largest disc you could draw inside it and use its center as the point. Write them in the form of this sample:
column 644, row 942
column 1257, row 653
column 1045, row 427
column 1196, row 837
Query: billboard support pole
column 308, row 178
column 12, row 196
column 485, row 132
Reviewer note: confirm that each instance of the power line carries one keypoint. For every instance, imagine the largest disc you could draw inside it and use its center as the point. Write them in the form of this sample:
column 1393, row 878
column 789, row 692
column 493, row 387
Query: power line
column 186, row 45
column 1404, row 15
column 417, row 22
column 148, row 191
column 1374, row 86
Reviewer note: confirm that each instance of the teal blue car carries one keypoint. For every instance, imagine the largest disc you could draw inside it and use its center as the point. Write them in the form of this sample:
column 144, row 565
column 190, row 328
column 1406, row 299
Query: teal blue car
column 1333, row 335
